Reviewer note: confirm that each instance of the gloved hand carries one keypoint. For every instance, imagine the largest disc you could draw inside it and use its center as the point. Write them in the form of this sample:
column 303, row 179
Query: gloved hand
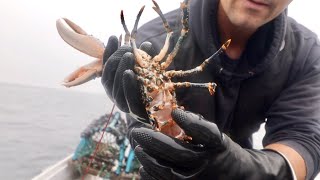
column 119, row 80
column 211, row 154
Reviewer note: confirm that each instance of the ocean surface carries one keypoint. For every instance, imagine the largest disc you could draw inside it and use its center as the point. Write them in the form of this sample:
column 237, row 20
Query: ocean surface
column 40, row 126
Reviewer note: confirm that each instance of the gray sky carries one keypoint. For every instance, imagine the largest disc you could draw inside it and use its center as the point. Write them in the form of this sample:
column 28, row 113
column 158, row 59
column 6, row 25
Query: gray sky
column 32, row 52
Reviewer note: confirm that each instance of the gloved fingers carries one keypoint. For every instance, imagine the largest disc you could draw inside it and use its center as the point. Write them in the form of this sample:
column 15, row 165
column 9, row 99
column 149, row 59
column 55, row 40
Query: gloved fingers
column 133, row 96
column 144, row 175
column 202, row 131
column 111, row 47
column 162, row 170
column 167, row 148
column 127, row 62
column 110, row 68
column 151, row 166
column 148, row 48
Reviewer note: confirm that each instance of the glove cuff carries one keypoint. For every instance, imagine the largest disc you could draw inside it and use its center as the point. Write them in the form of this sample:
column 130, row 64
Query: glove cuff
column 293, row 174
column 251, row 164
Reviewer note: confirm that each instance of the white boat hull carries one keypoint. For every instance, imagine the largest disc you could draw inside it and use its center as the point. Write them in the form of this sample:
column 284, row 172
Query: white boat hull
column 63, row 170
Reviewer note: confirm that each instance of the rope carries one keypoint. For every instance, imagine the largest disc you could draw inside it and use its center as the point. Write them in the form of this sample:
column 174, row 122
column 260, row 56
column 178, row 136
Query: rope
column 99, row 142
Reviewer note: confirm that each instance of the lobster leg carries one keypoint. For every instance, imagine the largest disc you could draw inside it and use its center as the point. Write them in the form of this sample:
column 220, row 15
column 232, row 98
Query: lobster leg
column 201, row 67
column 184, row 32
column 139, row 58
column 165, row 47
column 210, row 86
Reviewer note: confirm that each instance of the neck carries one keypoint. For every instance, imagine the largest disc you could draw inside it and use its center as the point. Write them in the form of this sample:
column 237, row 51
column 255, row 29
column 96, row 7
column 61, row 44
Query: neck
column 239, row 36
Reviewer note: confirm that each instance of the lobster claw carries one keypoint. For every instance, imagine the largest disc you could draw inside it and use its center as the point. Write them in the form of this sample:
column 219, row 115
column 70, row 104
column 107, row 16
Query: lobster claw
column 76, row 37
column 84, row 74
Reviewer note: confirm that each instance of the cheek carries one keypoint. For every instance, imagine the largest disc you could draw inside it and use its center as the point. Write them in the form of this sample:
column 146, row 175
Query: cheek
column 277, row 11
column 280, row 6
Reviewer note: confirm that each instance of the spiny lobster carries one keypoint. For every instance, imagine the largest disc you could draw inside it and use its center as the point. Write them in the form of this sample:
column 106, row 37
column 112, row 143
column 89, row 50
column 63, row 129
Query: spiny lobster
column 158, row 91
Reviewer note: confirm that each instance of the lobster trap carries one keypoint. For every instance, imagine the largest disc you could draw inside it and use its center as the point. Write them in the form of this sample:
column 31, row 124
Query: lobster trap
column 105, row 152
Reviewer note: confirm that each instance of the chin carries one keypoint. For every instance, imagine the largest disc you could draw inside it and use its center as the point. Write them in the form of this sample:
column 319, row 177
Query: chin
column 247, row 22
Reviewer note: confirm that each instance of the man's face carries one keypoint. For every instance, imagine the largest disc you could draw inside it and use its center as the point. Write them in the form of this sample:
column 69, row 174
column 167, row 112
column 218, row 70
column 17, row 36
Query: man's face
column 252, row 13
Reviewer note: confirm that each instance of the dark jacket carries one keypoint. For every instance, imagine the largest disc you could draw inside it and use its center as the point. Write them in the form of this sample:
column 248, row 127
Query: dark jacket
column 276, row 80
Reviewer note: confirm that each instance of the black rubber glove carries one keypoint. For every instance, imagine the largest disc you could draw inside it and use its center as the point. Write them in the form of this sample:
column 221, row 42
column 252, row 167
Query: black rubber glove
column 210, row 155
column 119, row 80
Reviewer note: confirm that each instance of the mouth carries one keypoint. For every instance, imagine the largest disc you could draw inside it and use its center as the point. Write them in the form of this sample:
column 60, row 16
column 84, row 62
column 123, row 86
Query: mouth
column 260, row 2
column 257, row 4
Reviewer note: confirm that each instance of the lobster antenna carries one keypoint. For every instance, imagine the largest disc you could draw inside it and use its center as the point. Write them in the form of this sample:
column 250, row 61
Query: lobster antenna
column 127, row 36
column 134, row 30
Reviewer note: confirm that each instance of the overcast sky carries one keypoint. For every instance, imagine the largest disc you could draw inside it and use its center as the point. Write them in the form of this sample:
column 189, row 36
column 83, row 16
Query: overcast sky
column 33, row 53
